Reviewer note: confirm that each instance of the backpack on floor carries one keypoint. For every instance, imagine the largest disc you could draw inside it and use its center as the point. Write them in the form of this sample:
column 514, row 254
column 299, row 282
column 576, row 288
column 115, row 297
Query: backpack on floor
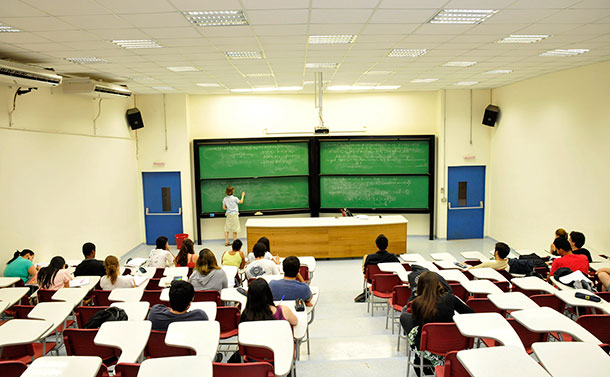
column 109, row 314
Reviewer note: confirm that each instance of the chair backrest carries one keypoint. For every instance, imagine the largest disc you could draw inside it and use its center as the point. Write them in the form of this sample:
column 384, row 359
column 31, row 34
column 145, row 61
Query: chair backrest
column 253, row 353
column 158, row 273
column 153, row 297
column 406, row 266
column 527, row 292
column 156, row 347
column 549, row 300
column 304, row 271
column 228, row 317
column 371, row 271
column 258, row 369
column 207, row 296
column 153, row 285
column 472, row 262
column 10, row 368
column 79, row 342
column 453, row 367
column 597, row 324
column 506, row 274
column 483, row 305
column 84, row 314
column 100, row 297
column 527, row 337
column 385, row 282
column 19, row 352
column 543, row 271
column 400, row 295
column 127, row 369
column 604, row 295
column 503, row 285
column 459, row 291
column 44, row 295
column 22, row 311
column 442, row 338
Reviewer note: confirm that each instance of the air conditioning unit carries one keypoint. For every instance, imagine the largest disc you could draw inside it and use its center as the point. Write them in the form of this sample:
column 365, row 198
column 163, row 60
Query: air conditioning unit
column 27, row 75
column 92, row 88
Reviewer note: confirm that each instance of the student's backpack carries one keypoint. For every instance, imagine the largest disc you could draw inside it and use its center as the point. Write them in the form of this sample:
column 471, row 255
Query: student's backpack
column 579, row 283
column 109, row 314
column 521, row 266
column 535, row 258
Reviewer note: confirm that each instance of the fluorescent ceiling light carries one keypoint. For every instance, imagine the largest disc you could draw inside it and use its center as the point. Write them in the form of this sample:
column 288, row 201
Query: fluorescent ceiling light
column 404, row 52
column 378, row 73
column 163, row 88
column 498, row 71
column 523, row 38
column 262, row 74
column 423, row 81
column 362, row 87
column 321, row 65
column 311, row 82
column 208, row 84
column 8, row 29
column 268, row 89
column 136, row 43
column 86, row 60
column 331, row 39
column 467, row 83
column 569, row 52
column 462, row 16
column 459, row 64
column 243, row 55
column 183, row 69
column 217, row 18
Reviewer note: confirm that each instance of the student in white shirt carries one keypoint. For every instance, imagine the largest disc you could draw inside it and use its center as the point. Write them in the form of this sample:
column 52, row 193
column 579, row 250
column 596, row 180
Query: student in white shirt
column 261, row 266
column 161, row 256
column 112, row 279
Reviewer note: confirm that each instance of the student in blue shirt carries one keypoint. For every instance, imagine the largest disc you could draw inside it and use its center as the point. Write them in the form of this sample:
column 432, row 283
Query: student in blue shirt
column 21, row 266
column 289, row 288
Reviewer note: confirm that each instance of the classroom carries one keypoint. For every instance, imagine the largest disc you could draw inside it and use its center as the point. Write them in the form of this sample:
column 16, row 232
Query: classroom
column 74, row 171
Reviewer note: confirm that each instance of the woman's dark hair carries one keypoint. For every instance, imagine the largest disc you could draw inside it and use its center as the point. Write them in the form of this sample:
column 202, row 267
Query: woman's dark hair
column 259, row 250
column 264, row 241
column 429, row 291
column 260, row 299
column 21, row 253
column 46, row 275
column 186, row 248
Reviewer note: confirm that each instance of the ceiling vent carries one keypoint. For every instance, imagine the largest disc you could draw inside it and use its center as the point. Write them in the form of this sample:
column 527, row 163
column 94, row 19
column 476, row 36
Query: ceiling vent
column 92, row 88
column 27, row 75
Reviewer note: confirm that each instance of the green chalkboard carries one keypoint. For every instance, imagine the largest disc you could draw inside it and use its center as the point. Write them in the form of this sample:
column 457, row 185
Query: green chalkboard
column 374, row 157
column 374, row 192
column 261, row 193
column 253, row 160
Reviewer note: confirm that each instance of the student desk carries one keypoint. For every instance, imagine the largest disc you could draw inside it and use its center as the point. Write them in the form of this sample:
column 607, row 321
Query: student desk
column 136, row 311
column 176, row 271
column 488, row 325
column 500, row 362
column 126, row 294
column 129, row 336
column 65, row 366
column 274, row 335
column 541, row 254
column 487, row 273
column 231, row 272
column 22, row 331
column 200, row 366
column 91, row 281
column 446, row 264
column 532, row 283
column 13, row 294
column 480, row 286
column 3, row 306
column 474, row 255
column 597, row 265
column 443, row 256
column 200, row 336
column 453, row 275
column 330, row 237
column 209, row 307
column 231, row 295
column 74, row 296
column 411, row 258
column 568, row 296
column 7, row 281
column 569, row 359
column 396, row 268
column 512, row 301
column 547, row 320
column 56, row 312
column 428, row 265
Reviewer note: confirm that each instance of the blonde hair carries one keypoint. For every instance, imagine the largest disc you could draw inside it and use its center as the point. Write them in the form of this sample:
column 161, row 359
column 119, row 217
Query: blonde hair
column 111, row 263
column 229, row 190
column 206, row 262
column 561, row 233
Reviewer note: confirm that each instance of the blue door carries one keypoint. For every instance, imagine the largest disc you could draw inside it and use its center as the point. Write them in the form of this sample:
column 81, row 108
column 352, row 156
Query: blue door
column 162, row 205
column 465, row 208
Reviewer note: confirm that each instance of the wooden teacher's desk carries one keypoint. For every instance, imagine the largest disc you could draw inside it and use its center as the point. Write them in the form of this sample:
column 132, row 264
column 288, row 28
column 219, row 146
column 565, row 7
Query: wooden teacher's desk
column 329, row 237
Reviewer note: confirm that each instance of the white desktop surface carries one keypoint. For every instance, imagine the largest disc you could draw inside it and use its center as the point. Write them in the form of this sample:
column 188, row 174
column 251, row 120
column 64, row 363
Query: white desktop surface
column 176, row 271
column 231, row 295
column 23, row 331
column 428, row 265
column 453, row 275
column 93, row 280
column 512, row 301
column 55, row 312
column 65, row 366
column 532, row 283
column 480, row 286
column 545, row 319
column 301, row 327
column 412, row 257
column 492, row 362
column 324, row 221
column 474, row 255
column 541, row 254
column 275, row 335
column 200, row 336
column 13, row 294
column 396, row 268
column 136, row 311
column 447, row 264
column 126, row 294
column 488, row 325
column 443, row 256
column 209, row 307
column 569, row 359
column 487, row 273
column 164, row 295
column 200, row 366
column 129, row 336
column 231, row 272
column 74, row 296
column 597, row 265
column 310, row 262
column 8, row 281
column 568, row 296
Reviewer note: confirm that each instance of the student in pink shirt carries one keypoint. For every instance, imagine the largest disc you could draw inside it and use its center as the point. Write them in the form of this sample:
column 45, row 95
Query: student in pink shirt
column 55, row 275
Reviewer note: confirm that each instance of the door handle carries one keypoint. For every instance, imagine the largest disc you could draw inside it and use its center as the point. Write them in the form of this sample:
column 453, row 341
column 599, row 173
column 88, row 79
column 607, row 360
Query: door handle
column 479, row 207
column 164, row 213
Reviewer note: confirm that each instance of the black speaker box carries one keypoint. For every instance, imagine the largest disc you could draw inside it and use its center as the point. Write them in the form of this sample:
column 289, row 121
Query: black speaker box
column 134, row 118
column 491, row 115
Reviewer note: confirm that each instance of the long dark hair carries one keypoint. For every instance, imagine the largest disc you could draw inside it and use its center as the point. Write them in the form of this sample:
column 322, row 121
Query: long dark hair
column 429, row 291
column 46, row 275
column 264, row 241
column 260, row 299
column 21, row 253
column 186, row 248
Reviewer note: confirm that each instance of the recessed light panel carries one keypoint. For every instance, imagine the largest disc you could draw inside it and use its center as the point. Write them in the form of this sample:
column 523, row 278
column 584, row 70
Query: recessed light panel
column 331, row 39
column 208, row 84
column 86, row 60
column 462, row 16
column 183, row 69
column 459, row 64
column 406, row 52
column 467, row 83
column 523, row 38
column 243, row 55
column 163, row 88
column 321, row 65
column 423, row 81
column 217, row 18
column 136, row 43
column 8, row 29
column 498, row 72
column 569, row 52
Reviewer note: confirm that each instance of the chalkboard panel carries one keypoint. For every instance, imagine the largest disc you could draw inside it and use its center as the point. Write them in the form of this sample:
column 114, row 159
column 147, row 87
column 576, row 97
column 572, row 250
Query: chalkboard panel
column 253, row 160
column 374, row 157
column 374, row 192
column 261, row 193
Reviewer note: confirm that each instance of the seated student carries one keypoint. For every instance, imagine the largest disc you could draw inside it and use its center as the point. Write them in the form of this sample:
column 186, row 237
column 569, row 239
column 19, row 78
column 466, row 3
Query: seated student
column 186, row 256
column 112, row 279
column 206, row 274
column 433, row 304
column 577, row 240
column 234, row 257
column 260, row 306
column 501, row 252
column 381, row 256
column 181, row 295
column 560, row 232
column 55, row 275
column 21, row 266
column 261, row 266
column 90, row 266
column 160, row 257
column 289, row 288
column 603, row 274
column 572, row 261
column 268, row 255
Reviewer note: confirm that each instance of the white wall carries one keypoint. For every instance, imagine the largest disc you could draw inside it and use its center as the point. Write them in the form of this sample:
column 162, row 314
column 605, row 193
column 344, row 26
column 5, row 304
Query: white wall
column 549, row 157
column 64, row 181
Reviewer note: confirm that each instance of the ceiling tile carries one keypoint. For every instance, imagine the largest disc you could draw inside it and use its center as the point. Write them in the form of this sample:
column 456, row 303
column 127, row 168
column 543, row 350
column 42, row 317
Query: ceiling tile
column 325, row 29
column 68, row 7
column 412, row 4
column 280, row 30
column 442, row 29
column 275, row 4
column 543, row 4
column 157, row 20
column 172, row 32
column 152, row 6
column 21, row 38
column 344, row 3
column 334, row 16
column 37, row 23
column 402, row 16
column 67, row 35
column 576, row 16
column 16, row 8
column 278, row 17
column 189, row 5
column 372, row 29
column 96, row 22
column 478, row 4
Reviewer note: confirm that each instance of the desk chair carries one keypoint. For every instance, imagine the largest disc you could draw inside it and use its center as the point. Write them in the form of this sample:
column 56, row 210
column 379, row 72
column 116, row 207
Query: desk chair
column 156, row 347
column 84, row 314
column 526, row 336
column 153, row 285
column 127, row 369
column 459, row 291
column 44, row 295
column 208, row 296
column 25, row 353
column 228, row 317
column 100, row 297
column 10, row 368
column 452, row 367
column 248, row 369
column 597, row 324
column 371, row 271
column 381, row 287
column 400, row 295
column 484, row 305
column 79, row 342
column 153, row 297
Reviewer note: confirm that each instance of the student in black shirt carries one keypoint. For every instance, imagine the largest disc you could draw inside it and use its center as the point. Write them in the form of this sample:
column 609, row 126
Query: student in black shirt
column 90, row 266
column 577, row 240
column 381, row 256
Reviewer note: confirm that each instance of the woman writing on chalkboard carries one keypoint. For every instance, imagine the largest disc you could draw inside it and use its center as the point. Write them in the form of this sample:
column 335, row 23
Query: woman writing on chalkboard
column 230, row 204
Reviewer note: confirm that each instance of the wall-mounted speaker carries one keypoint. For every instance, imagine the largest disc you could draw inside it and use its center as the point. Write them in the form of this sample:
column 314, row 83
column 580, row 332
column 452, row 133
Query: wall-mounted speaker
column 134, row 118
column 491, row 115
